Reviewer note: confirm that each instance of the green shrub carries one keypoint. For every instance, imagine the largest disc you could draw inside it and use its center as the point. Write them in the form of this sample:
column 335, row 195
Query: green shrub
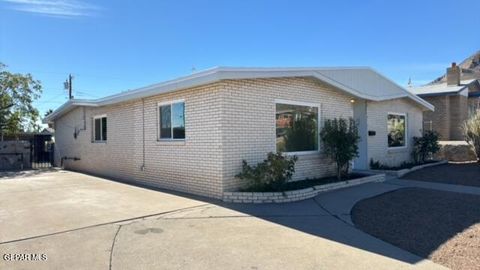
column 425, row 147
column 471, row 131
column 375, row 165
column 340, row 143
column 270, row 175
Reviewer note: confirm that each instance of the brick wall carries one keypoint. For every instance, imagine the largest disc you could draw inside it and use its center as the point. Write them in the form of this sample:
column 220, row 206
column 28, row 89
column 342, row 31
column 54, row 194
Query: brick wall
column 225, row 123
column 249, row 122
column 450, row 112
column 440, row 118
column 458, row 115
column 193, row 165
column 377, row 121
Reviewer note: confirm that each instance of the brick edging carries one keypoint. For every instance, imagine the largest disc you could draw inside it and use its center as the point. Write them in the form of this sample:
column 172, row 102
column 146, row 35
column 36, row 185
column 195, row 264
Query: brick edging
column 296, row 195
column 400, row 173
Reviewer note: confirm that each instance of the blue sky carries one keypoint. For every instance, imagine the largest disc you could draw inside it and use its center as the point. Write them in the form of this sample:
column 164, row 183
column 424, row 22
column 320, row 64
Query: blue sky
column 112, row 46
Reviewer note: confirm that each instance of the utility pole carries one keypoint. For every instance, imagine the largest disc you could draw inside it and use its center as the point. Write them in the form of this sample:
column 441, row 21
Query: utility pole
column 68, row 86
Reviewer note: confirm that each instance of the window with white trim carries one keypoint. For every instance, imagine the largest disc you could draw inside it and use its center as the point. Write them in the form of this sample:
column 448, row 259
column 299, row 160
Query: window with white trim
column 172, row 120
column 100, row 128
column 396, row 129
column 296, row 127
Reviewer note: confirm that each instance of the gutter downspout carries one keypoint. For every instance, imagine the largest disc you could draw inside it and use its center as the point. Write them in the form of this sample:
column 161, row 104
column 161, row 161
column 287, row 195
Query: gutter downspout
column 77, row 132
column 142, row 168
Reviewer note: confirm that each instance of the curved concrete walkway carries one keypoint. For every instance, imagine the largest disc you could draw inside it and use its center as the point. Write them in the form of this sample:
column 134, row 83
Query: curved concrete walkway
column 436, row 186
column 340, row 203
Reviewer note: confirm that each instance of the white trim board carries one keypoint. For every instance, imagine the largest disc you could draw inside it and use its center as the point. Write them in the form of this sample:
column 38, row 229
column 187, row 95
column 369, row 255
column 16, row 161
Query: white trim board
column 342, row 83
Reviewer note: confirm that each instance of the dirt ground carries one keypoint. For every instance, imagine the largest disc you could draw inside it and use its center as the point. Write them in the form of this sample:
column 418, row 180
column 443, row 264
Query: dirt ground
column 467, row 174
column 441, row 226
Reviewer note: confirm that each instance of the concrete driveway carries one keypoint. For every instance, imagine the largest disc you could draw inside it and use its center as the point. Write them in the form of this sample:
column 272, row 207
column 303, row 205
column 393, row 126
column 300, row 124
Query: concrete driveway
column 85, row 222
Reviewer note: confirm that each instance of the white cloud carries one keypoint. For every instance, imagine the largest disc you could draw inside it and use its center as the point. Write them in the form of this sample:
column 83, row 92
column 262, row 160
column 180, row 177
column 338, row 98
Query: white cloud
column 61, row 8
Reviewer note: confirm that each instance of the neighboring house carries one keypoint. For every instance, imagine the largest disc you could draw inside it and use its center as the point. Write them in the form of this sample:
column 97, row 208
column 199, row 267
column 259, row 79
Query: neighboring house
column 191, row 134
column 454, row 96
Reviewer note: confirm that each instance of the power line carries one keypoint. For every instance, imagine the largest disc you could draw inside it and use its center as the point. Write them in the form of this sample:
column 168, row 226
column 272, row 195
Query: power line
column 51, row 99
column 81, row 93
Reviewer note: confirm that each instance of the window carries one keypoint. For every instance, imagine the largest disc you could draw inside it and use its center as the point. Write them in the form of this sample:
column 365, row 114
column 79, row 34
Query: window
column 397, row 129
column 296, row 127
column 172, row 120
column 100, row 128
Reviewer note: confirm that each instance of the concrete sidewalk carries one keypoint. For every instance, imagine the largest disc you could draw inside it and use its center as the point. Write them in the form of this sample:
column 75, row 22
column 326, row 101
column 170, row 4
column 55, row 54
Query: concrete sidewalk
column 341, row 202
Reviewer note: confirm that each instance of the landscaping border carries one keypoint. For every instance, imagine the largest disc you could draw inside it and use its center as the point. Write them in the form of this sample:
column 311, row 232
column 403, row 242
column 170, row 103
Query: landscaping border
column 402, row 172
column 296, row 195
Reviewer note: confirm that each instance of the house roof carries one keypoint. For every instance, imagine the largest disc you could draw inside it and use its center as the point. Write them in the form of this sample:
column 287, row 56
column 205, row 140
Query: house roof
column 360, row 82
column 48, row 130
column 441, row 88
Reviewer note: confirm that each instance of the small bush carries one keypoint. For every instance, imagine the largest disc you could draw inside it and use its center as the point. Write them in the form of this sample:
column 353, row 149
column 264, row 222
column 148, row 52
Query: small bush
column 270, row 175
column 425, row 147
column 471, row 131
column 375, row 165
column 340, row 143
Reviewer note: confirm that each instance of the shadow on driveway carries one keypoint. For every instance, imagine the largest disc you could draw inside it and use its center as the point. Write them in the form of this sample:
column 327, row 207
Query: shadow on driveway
column 308, row 217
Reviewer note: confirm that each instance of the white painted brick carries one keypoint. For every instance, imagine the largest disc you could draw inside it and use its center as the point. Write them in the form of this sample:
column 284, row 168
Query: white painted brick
column 225, row 122
column 377, row 120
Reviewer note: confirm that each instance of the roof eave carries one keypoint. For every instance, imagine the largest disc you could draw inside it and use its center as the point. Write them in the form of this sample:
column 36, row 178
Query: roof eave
column 66, row 107
column 225, row 73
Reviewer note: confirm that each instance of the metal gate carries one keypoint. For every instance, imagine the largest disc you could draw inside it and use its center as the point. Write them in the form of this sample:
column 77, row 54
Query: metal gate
column 41, row 151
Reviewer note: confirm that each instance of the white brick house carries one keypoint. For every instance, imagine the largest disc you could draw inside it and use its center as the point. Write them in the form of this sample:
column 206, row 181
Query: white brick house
column 191, row 134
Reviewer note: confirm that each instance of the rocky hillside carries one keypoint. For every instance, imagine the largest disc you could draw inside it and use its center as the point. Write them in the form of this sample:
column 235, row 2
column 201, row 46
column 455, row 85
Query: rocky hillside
column 470, row 69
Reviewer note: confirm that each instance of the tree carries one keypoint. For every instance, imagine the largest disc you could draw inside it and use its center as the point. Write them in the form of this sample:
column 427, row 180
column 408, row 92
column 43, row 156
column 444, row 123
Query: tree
column 17, row 93
column 340, row 143
column 471, row 131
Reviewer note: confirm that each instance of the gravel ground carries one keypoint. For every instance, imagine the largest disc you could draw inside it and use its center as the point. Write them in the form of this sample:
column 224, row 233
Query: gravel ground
column 439, row 225
column 467, row 174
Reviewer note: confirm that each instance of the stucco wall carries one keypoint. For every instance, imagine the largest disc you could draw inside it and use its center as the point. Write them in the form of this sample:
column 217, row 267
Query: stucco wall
column 377, row 121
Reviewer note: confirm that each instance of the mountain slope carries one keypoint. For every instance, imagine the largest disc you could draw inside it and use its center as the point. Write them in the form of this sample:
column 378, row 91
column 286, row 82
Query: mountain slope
column 470, row 69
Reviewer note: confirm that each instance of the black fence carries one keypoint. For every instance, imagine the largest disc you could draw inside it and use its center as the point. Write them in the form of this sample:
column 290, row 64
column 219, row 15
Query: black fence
column 41, row 152
column 35, row 153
